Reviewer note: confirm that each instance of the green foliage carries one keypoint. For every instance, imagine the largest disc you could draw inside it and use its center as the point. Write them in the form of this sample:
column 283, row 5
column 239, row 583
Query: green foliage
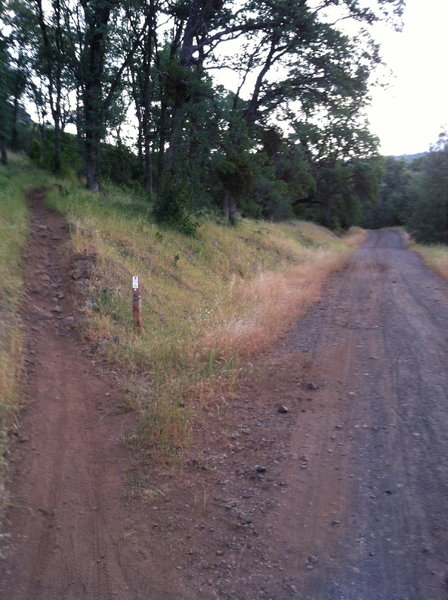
column 271, row 198
column 176, row 208
column 236, row 174
column 428, row 220
column 120, row 165
column 342, row 155
column 391, row 205
column 5, row 90
column 35, row 151
column 41, row 150
column 197, row 145
column 177, row 83
column 283, row 177
column 415, row 194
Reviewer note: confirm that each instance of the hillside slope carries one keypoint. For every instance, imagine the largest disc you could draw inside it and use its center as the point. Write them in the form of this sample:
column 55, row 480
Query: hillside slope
column 208, row 301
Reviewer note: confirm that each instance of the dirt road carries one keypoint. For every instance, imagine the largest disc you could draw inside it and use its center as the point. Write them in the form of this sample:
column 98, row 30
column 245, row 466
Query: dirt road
column 325, row 477
column 368, row 491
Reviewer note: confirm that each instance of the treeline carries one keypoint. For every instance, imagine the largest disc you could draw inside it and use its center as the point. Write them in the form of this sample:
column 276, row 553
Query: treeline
column 291, row 139
column 415, row 195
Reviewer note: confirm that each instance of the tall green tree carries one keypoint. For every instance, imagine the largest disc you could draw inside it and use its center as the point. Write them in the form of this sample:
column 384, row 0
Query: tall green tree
column 343, row 158
column 5, row 93
column 143, row 80
column 194, row 139
column 392, row 204
column 52, row 64
column 428, row 220
column 99, row 69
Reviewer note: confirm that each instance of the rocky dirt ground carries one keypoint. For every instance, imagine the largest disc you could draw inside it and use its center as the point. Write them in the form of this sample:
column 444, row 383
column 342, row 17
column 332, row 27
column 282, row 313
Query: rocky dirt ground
column 324, row 477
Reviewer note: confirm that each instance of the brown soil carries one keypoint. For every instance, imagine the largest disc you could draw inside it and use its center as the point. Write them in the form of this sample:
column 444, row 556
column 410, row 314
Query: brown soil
column 324, row 478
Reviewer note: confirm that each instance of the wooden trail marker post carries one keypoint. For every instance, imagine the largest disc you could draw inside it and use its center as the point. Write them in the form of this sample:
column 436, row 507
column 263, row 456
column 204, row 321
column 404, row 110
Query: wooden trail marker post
column 136, row 303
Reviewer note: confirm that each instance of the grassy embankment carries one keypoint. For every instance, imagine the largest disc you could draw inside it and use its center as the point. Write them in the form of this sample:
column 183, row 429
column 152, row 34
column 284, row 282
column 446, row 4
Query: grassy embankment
column 209, row 302
column 436, row 257
column 14, row 180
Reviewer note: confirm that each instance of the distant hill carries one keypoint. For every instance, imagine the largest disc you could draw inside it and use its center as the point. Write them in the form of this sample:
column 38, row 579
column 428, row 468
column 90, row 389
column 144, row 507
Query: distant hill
column 410, row 157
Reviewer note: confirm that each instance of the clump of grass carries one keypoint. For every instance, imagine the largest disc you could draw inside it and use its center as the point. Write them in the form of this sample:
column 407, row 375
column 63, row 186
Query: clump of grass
column 436, row 257
column 209, row 301
column 262, row 309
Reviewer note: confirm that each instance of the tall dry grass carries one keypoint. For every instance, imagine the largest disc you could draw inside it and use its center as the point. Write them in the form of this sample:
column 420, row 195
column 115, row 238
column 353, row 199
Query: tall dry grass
column 436, row 257
column 259, row 311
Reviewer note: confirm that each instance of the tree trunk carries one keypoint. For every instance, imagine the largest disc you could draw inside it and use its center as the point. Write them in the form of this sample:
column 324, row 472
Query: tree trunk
column 97, row 17
column 146, row 96
column 3, row 153
column 148, row 167
column 14, row 132
column 57, row 147
column 92, row 136
column 52, row 57
column 161, row 145
column 91, row 160
column 177, row 122
column 194, row 21
column 225, row 205
column 232, row 210
column 251, row 111
column 57, row 108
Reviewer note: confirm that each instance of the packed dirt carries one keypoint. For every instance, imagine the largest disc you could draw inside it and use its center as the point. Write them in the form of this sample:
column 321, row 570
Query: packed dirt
column 323, row 477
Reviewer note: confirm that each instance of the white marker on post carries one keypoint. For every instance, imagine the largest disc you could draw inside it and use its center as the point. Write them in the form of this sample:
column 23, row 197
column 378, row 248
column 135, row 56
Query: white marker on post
column 136, row 303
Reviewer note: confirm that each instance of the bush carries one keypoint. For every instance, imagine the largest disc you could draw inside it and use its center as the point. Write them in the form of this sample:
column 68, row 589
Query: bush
column 176, row 209
column 120, row 165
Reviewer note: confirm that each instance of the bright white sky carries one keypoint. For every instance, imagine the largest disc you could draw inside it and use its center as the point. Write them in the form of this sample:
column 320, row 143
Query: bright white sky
column 409, row 115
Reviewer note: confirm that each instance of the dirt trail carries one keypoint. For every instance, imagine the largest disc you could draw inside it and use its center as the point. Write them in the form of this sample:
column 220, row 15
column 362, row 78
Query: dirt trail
column 325, row 477
column 369, row 483
column 68, row 462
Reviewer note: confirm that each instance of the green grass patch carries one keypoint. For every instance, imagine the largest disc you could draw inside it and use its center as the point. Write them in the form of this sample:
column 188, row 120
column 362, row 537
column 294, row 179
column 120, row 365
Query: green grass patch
column 435, row 256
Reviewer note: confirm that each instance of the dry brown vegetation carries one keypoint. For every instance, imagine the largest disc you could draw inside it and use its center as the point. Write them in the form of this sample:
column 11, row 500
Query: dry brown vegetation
column 436, row 257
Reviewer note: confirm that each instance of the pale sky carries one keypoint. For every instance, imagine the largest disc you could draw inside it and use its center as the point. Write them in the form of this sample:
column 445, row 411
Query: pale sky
column 409, row 116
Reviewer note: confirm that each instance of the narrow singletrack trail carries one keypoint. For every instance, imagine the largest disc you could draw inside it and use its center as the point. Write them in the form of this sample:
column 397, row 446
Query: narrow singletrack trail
column 324, row 476
column 68, row 508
